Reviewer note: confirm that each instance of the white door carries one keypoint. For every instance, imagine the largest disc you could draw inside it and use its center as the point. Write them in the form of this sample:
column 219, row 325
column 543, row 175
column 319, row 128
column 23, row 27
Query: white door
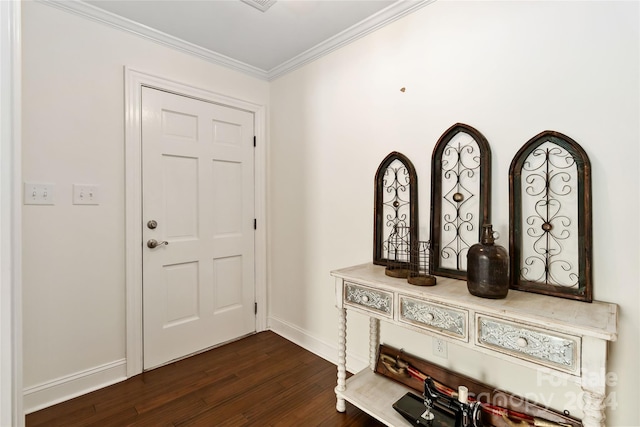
column 198, row 188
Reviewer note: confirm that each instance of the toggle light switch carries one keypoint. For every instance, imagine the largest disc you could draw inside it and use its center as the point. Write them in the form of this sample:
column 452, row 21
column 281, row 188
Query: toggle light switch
column 85, row 194
column 38, row 194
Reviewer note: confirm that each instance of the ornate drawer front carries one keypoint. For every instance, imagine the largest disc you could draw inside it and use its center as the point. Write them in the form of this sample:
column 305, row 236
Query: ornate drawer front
column 553, row 350
column 372, row 300
column 434, row 317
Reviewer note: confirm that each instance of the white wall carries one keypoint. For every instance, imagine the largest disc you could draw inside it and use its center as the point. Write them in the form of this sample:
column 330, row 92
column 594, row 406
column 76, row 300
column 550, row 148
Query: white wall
column 509, row 69
column 73, row 132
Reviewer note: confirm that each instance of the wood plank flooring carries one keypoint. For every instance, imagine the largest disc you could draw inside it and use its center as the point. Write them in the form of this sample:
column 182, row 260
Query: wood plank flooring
column 260, row 380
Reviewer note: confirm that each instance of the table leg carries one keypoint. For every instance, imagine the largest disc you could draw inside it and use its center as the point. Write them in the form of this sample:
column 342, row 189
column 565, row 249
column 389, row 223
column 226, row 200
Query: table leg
column 593, row 409
column 374, row 341
column 342, row 358
column 594, row 388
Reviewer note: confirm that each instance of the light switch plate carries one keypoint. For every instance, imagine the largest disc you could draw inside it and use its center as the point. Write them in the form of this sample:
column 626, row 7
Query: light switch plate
column 85, row 194
column 38, row 193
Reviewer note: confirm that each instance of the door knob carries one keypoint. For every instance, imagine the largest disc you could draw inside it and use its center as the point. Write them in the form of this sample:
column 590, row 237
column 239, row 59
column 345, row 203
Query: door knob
column 153, row 243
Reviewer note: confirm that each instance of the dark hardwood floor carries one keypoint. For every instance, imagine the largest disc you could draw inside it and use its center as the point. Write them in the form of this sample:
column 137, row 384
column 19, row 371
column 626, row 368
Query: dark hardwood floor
column 261, row 380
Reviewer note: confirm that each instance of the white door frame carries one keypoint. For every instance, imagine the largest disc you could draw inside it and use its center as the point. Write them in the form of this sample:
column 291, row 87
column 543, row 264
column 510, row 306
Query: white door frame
column 11, row 394
column 134, row 81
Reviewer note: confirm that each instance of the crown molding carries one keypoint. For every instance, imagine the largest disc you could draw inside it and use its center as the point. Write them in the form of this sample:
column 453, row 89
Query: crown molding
column 391, row 13
column 99, row 15
column 384, row 17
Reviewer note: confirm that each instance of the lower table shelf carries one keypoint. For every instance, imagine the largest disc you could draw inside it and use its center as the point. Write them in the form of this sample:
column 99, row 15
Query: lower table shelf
column 374, row 394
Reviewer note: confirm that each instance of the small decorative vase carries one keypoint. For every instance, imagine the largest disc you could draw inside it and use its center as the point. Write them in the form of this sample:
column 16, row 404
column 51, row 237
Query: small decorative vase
column 488, row 267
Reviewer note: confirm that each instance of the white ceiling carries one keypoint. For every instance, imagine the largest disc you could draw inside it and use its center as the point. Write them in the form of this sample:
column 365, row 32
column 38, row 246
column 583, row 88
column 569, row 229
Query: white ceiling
column 232, row 33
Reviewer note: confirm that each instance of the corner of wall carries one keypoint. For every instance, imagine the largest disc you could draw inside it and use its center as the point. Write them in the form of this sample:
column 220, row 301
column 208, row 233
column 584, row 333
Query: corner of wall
column 304, row 339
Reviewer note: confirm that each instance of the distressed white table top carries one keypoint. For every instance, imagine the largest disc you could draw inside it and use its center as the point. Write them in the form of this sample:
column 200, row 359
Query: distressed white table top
column 597, row 319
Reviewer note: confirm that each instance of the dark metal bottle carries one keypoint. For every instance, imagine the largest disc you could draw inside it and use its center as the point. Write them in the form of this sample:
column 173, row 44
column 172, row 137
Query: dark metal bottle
column 488, row 267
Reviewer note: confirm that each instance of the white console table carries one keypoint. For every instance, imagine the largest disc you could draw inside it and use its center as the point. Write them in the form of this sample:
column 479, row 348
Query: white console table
column 568, row 338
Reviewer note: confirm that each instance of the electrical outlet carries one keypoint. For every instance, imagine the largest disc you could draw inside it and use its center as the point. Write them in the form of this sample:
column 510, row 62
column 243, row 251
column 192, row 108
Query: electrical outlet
column 439, row 347
column 38, row 194
column 85, row 194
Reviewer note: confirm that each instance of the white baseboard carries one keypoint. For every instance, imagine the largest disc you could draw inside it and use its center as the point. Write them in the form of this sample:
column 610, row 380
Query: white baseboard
column 47, row 394
column 61, row 389
column 304, row 339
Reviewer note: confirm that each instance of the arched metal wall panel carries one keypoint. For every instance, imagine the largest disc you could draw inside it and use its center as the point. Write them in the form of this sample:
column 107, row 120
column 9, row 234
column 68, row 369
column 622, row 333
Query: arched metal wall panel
column 460, row 197
column 550, row 233
column 396, row 203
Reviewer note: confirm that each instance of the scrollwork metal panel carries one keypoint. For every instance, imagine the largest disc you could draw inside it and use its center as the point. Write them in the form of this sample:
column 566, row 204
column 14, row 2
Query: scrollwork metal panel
column 369, row 298
column 460, row 197
column 550, row 225
column 550, row 349
column 395, row 206
column 450, row 321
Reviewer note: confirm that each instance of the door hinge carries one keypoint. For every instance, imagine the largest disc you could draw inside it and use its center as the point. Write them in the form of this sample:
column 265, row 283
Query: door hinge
column 255, row 308
column 255, row 224
column 254, row 141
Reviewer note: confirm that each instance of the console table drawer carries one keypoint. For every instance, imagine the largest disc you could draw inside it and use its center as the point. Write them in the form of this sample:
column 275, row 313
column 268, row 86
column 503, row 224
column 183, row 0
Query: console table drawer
column 372, row 300
column 553, row 350
column 434, row 317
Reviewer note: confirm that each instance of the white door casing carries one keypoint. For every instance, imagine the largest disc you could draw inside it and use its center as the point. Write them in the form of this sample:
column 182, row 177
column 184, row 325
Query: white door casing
column 197, row 187
column 11, row 391
column 134, row 83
